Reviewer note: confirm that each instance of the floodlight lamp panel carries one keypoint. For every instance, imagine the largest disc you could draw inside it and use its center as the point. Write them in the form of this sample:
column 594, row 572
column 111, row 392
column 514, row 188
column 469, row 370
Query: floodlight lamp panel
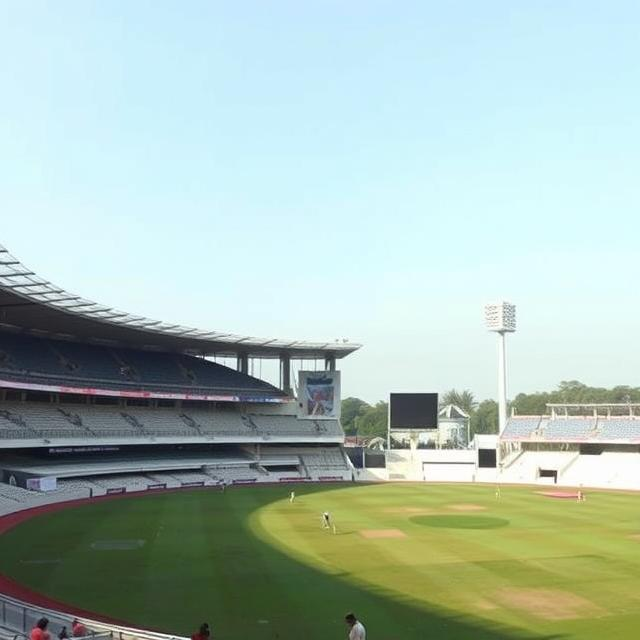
column 500, row 317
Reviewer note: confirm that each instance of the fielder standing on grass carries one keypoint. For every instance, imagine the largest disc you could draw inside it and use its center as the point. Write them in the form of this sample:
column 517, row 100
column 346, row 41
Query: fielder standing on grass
column 328, row 522
column 356, row 628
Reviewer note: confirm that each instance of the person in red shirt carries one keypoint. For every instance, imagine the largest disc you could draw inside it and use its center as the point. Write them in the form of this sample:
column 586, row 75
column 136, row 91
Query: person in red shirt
column 203, row 633
column 39, row 632
column 78, row 630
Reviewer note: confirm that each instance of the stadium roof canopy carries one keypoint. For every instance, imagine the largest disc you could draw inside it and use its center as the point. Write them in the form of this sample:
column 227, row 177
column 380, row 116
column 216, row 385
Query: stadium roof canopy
column 31, row 304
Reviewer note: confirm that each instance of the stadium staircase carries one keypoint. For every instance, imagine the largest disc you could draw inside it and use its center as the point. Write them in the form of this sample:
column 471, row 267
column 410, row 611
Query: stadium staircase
column 567, row 466
column 511, row 458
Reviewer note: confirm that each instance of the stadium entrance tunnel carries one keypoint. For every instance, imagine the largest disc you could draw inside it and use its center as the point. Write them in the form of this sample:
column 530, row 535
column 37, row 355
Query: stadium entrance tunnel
column 460, row 522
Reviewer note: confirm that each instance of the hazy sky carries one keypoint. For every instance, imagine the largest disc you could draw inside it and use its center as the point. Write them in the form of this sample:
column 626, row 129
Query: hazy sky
column 370, row 170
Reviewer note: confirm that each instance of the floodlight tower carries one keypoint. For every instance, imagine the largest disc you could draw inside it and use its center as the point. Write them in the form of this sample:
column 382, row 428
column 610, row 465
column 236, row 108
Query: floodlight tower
column 501, row 318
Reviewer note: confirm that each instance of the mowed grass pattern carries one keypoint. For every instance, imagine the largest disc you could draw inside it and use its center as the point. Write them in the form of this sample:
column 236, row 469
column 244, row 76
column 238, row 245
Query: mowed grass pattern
column 414, row 561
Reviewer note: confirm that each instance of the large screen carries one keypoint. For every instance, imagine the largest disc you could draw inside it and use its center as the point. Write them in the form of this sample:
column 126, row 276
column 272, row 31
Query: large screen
column 487, row 458
column 319, row 394
column 413, row 411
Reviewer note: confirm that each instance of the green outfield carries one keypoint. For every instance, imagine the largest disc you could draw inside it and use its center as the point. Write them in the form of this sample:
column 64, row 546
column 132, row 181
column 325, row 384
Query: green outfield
column 413, row 561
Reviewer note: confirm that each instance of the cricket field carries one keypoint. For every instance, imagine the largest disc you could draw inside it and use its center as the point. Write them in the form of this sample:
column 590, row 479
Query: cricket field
column 413, row 561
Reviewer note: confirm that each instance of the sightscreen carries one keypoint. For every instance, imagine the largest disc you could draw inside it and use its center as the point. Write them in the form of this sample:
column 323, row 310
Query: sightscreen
column 413, row 411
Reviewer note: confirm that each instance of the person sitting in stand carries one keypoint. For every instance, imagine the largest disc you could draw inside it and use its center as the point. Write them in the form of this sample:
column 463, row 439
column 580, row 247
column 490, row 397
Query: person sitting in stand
column 39, row 632
column 203, row 633
column 78, row 630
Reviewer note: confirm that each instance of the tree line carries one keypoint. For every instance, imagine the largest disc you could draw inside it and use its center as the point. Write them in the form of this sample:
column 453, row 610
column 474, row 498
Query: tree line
column 366, row 420
column 573, row 391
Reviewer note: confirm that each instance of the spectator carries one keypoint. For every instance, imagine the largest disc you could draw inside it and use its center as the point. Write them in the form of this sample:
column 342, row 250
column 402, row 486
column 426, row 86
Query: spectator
column 39, row 632
column 63, row 635
column 356, row 628
column 78, row 630
column 203, row 633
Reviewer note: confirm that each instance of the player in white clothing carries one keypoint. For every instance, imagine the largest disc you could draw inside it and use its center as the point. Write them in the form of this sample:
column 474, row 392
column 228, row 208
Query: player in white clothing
column 356, row 628
column 292, row 496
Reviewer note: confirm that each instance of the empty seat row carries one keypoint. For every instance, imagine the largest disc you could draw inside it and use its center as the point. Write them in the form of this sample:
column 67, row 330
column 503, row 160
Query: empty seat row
column 521, row 427
column 25, row 420
column 618, row 428
column 47, row 360
column 569, row 428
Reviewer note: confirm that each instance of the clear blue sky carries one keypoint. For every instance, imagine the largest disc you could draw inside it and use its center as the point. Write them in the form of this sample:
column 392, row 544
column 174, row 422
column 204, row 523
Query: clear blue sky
column 370, row 170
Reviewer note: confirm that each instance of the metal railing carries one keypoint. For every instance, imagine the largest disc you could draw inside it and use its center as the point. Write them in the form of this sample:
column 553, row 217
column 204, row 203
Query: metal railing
column 19, row 617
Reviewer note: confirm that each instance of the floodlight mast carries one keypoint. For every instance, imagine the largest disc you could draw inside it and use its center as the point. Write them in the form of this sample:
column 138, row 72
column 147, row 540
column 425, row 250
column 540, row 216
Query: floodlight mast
column 501, row 319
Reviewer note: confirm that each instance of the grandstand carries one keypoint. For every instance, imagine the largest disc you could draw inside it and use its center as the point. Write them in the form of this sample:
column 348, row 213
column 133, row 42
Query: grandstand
column 87, row 390
column 605, row 427
column 588, row 445
column 591, row 445
column 52, row 423
column 94, row 401
column 32, row 360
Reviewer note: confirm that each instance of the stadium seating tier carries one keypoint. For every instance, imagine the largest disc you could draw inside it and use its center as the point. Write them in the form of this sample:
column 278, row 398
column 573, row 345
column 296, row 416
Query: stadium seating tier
column 57, row 362
column 37, row 421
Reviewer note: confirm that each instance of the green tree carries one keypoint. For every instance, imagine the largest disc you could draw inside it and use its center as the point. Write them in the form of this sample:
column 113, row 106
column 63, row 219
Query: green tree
column 532, row 404
column 573, row 391
column 373, row 422
column 352, row 408
column 464, row 400
column 624, row 394
column 485, row 418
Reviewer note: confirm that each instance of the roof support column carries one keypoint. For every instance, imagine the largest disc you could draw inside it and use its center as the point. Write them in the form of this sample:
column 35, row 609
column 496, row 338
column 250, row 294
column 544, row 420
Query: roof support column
column 242, row 363
column 330, row 363
column 285, row 373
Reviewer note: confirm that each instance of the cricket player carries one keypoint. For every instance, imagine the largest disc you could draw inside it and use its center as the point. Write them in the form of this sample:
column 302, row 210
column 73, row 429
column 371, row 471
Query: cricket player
column 292, row 496
column 356, row 628
column 326, row 520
